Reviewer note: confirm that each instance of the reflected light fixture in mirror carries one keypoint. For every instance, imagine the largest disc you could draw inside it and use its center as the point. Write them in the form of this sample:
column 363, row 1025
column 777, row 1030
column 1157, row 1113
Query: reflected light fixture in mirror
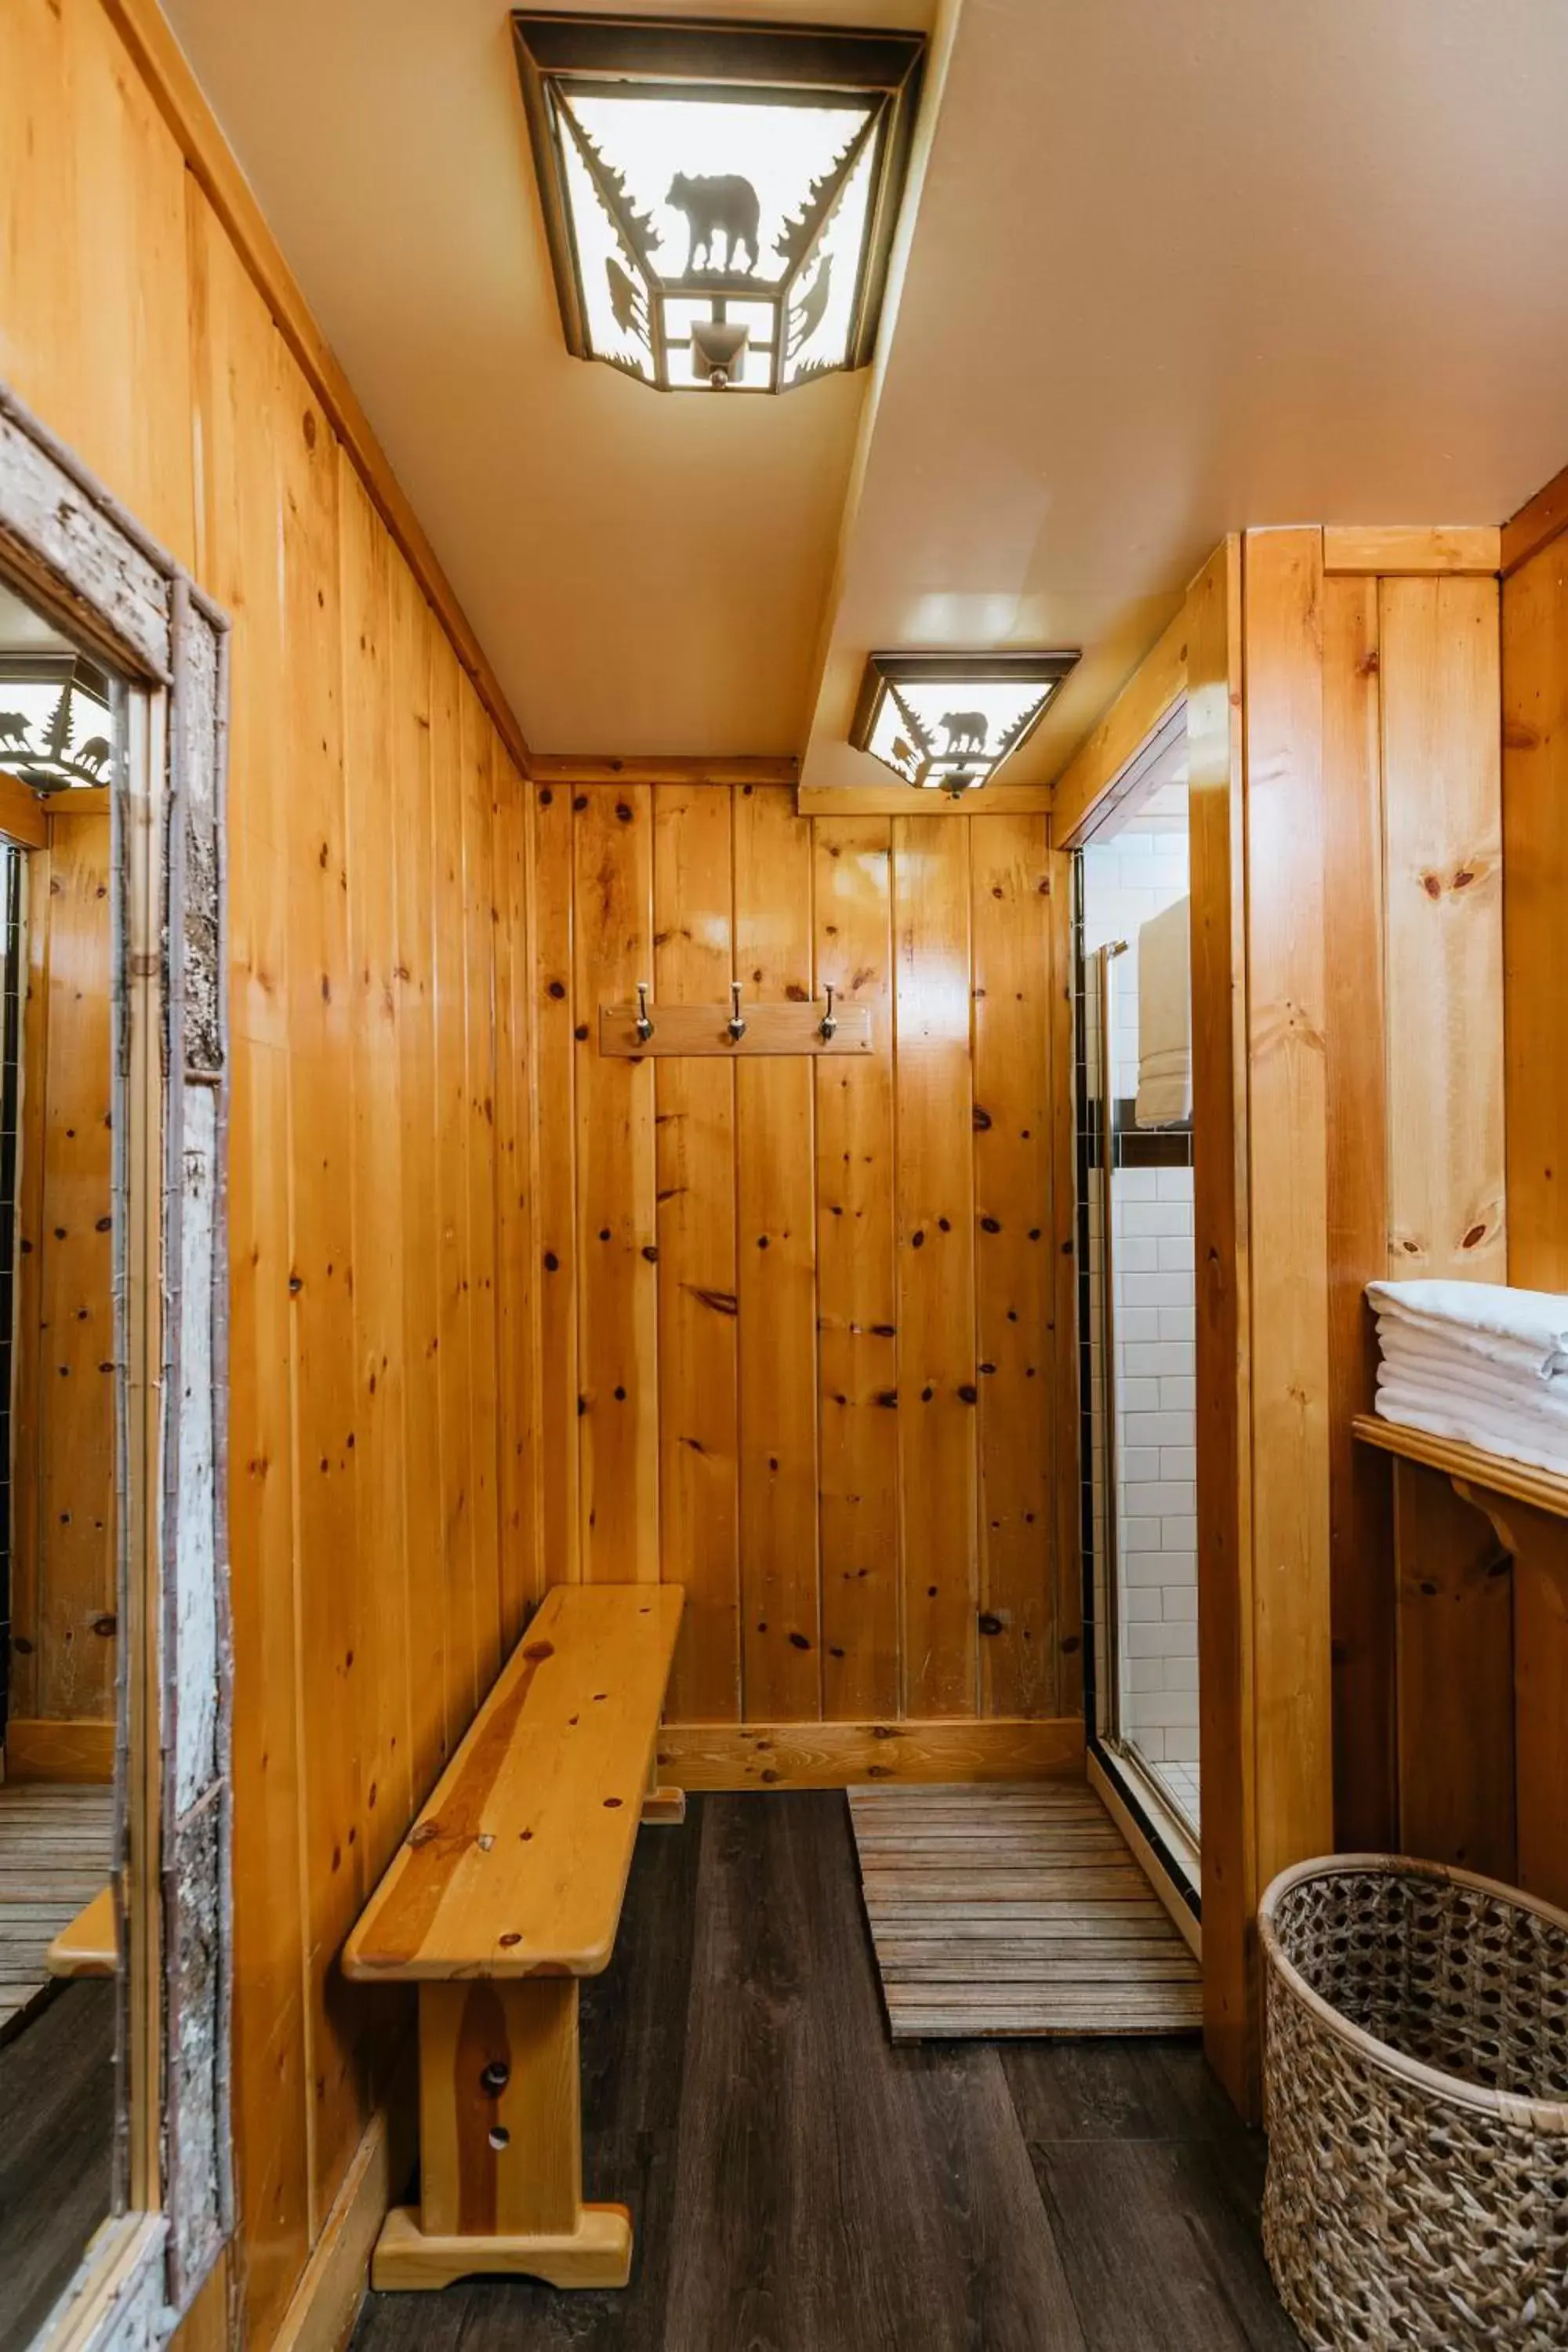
column 719, row 199
column 946, row 722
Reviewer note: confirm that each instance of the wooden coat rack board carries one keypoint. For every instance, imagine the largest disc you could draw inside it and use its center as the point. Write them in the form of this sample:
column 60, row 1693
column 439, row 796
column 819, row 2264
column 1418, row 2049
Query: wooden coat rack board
column 816, row 1026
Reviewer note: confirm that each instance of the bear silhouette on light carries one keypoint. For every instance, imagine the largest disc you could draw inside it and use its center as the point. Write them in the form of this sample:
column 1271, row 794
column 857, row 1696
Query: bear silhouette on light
column 965, row 729
column 725, row 205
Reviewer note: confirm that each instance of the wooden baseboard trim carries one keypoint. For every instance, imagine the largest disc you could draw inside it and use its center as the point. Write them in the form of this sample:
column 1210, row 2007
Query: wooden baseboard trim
column 41, row 1749
column 1148, row 1860
column 841, row 1755
column 325, row 2304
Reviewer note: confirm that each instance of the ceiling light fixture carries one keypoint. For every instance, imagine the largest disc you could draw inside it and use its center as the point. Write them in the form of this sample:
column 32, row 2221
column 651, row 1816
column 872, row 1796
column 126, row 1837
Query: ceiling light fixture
column 719, row 198
column 946, row 722
column 56, row 721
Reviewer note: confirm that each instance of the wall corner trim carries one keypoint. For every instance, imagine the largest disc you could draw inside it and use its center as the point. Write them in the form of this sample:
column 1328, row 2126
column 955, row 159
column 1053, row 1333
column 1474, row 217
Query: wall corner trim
column 325, row 2304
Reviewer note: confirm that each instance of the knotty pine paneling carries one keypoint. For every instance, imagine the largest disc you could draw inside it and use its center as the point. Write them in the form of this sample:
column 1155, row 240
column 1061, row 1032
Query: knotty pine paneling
column 1535, row 913
column 62, row 1567
column 382, row 1324
column 427, row 1331
column 699, row 1388
column 858, row 1312
column 842, row 1247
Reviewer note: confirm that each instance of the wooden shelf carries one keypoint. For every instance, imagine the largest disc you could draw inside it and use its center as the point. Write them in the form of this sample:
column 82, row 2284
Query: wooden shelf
column 1546, row 1489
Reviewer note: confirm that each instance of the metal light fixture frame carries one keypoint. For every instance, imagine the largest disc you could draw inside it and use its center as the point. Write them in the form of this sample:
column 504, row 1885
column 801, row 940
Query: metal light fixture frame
column 887, row 674
column 76, row 682
column 774, row 65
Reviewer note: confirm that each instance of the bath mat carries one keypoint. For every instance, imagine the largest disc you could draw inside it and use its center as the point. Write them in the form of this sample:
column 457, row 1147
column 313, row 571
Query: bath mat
column 1015, row 1909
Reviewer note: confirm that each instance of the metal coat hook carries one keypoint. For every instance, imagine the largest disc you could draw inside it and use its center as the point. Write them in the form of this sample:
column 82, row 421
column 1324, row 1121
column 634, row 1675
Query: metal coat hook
column 737, row 1025
column 644, row 1025
column 828, row 1027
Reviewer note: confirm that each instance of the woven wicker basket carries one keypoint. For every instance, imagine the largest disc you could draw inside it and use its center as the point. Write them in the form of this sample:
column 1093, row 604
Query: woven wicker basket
column 1416, row 2083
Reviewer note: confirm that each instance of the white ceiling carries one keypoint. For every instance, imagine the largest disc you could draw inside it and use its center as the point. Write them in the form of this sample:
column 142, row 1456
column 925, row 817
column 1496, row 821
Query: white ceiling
column 1175, row 268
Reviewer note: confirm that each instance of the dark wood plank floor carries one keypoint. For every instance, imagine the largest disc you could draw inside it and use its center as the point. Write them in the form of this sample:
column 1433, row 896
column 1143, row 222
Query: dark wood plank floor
column 56, row 2141
column 799, row 2185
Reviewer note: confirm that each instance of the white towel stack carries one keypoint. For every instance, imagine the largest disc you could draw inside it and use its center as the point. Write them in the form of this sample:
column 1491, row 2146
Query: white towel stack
column 1165, row 1019
column 1474, row 1361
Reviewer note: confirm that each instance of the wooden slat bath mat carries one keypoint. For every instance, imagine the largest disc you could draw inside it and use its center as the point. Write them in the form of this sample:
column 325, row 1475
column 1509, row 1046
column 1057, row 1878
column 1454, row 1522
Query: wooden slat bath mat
column 1016, row 1910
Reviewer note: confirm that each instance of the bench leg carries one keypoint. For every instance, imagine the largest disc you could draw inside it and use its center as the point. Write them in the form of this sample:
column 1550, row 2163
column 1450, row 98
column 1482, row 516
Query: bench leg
column 666, row 1807
column 500, row 2146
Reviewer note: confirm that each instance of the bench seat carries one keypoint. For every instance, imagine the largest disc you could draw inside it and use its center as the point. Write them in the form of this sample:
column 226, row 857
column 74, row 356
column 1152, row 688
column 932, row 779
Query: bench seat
column 90, row 1946
column 506, row 1891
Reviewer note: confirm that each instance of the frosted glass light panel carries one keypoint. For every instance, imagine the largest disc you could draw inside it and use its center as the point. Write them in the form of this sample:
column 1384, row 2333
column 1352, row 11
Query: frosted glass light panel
column 946, row 722
column 719, row 199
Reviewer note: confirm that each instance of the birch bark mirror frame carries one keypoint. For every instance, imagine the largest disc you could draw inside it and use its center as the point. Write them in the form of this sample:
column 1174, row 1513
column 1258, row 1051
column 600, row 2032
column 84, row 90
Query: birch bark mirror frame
column 74, row 552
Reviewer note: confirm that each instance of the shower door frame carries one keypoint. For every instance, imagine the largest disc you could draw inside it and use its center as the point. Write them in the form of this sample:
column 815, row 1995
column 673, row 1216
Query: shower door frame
column 1153, row 1812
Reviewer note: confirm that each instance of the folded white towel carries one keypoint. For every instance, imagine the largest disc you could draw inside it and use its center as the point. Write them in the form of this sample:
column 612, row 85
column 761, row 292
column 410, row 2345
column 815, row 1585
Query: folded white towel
column 1546, row 1418
column 1165, row 1019
column 1495, row 1433
column 1417, row 1366
column 1528, row 1327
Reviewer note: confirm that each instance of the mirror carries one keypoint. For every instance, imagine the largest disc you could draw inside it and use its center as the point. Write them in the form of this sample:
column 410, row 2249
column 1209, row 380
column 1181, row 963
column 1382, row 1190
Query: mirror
column 116, row 2172
column 62, row 1406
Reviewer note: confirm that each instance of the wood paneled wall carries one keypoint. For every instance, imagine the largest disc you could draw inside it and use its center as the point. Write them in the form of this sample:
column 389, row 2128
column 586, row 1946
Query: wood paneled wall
column 62, row 1457
column 499, row 1305
column 796, row 1314
column 1348, row 998
column 1535, row 901
column 383, row 1525
column 1413, row 901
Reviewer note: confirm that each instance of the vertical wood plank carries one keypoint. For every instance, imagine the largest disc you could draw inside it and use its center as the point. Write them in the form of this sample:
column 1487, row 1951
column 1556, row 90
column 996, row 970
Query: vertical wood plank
column 617, row 1244
column 329, row 1670
column 1535, row 915
column 1010, row 919
column 66, row 1356
column 1539, row 1547
column 478, row 1085
column 522, row 1578
column 856, row 1280
column 555, row 1056
column 1215, row 784
column 1456, row 1678
column 423, row 1141
column 1066, row 1487
column 94, row 299
column 452, row 1142
column 937, row 1377
column 28, row 1387
column 1360, row 1527
column 376, row 1196
column 1443, row 821
column 776, row 1241
column 699, row 1492
column 245, row 403
column 1288, row 1261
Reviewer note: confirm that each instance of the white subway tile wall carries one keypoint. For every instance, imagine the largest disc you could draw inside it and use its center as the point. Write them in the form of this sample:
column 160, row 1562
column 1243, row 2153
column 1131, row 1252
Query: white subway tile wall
column 1126, row 881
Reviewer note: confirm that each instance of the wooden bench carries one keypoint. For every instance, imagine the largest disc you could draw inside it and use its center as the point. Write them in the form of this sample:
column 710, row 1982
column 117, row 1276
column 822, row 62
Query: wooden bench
column 506, row 1890
column 89, row 1945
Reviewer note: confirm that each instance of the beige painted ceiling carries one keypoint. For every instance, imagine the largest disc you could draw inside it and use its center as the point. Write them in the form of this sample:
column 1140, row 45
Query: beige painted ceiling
column 1175, row 268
